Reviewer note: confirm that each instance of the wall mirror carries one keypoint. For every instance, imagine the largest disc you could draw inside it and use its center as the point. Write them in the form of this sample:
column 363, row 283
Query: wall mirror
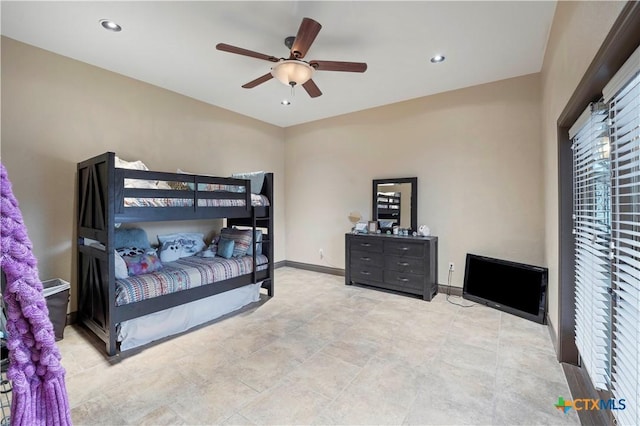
column 395, row 202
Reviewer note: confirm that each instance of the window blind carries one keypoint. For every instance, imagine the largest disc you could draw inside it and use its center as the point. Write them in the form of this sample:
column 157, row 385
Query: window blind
column 624, row 111
column 591, row 227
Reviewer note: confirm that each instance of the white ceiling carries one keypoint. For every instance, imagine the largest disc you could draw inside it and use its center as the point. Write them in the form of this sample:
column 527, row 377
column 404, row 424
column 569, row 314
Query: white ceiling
column 172, row 45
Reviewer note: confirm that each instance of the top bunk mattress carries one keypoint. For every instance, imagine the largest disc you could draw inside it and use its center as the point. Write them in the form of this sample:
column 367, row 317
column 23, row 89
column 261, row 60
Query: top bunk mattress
column 184, row 273
column 257, row 200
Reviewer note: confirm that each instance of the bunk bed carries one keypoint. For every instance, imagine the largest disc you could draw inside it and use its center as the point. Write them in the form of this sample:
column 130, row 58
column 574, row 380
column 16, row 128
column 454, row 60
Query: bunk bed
column 106, row 199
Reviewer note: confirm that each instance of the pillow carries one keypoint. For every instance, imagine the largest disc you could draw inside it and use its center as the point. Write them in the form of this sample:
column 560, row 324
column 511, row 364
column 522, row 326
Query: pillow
column 178, row 185
column 170, row 251
column 142, row 264
column 135, row 183
column 241, row 237
column 258, row 244
column 131, row 237
column 256, row 178
column 182, row 244
column 132, row 165
column 226, row 247
column 121, row 269
column 130, row 251
column 161, row 184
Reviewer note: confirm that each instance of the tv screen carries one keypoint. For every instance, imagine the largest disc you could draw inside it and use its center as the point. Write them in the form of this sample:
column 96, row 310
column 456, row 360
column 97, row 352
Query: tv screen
column 511, row 287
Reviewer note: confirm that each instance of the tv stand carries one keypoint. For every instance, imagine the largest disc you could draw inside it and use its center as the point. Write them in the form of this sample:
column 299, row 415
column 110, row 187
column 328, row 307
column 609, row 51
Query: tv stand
column 392, row 262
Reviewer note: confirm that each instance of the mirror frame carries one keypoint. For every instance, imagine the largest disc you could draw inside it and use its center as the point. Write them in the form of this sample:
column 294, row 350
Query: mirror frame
column 414, row 198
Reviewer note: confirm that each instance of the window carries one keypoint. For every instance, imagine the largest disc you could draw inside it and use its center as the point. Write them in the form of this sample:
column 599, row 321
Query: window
column 623, row 95
column 592, row 230
column 606, row 179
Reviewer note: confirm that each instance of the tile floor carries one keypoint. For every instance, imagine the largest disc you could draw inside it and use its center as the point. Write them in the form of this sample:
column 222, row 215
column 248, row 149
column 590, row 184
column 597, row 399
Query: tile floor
column 321, row 352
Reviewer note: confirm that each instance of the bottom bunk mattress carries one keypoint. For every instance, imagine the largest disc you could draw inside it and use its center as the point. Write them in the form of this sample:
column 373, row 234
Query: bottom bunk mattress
column 155, row 326
column 185, row 273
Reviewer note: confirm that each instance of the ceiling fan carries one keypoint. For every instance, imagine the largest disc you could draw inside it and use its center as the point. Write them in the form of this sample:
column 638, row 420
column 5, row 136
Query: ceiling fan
column 294, row 71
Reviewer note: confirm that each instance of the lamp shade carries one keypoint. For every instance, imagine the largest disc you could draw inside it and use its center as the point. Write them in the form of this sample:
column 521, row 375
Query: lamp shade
column 292, row 72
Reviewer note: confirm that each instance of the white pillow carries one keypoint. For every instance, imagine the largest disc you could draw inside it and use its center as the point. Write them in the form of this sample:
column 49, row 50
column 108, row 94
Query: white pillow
column 137, row 183
column 121, row 269
column 133, row 165
column 181, row 244
column 161, row 184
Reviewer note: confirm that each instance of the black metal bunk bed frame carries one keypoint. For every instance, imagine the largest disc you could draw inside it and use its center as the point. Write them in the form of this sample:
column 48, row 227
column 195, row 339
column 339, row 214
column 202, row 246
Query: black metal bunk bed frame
column 101, row 194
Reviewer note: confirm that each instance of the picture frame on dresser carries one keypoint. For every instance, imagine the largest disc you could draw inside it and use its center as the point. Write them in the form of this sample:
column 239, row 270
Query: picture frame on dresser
column 372, row 227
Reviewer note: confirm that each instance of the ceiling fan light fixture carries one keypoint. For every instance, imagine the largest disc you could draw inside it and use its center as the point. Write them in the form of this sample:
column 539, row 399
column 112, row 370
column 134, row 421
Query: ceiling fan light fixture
column 292, row 72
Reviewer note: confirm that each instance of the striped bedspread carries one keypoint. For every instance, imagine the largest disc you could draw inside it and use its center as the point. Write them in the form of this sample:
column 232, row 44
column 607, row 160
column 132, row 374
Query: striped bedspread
column 256, row 200
column 183, row 274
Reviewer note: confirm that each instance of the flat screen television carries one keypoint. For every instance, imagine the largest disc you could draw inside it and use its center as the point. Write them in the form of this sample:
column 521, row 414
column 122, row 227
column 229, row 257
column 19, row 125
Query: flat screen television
column 512, row 287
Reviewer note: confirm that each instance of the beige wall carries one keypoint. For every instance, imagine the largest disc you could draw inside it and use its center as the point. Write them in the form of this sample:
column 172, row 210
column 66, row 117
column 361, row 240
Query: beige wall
column 57, row 111
column 476, row 153
column 578, row 30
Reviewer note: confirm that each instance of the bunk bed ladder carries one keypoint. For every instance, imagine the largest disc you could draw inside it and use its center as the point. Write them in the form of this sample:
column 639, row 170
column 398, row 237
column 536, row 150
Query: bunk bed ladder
column 254, row 244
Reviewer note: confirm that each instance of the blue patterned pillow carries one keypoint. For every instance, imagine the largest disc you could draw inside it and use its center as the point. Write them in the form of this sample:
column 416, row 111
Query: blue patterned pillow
column 225, row 248
column 242, row 238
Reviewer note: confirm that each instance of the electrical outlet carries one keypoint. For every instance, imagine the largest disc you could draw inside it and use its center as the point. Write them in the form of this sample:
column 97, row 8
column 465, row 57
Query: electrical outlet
column 452, row 267
column 321, row 254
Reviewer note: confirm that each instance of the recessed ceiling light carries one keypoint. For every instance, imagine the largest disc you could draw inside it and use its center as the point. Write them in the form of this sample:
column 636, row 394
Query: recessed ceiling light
column 437, row 59
column 110, row 25
column 285, row 102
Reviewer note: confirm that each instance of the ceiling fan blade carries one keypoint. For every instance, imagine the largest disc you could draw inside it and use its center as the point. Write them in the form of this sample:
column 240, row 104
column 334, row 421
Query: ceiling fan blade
column 339, row 66
column 307, row 32
column 245, row 52
column 312, row 89
column 257, row 81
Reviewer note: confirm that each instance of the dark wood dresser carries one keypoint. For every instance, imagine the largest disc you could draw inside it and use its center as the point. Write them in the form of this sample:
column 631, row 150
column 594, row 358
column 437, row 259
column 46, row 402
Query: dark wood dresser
column 405, row 264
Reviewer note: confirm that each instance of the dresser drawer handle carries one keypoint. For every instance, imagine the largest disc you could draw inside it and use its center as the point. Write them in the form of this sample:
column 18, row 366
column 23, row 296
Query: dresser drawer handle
column 365, row 272
column 404, row 248
column 365, row 244
column 365, row 259
column 404, row 280
column 403, row 263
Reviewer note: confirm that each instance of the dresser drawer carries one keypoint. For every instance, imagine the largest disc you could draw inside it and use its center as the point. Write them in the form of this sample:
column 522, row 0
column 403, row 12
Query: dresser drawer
column 403, row 248
column 364, row 274
column 366, row 244
column 411, row 265
column 366, row 258
column 410, row 282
